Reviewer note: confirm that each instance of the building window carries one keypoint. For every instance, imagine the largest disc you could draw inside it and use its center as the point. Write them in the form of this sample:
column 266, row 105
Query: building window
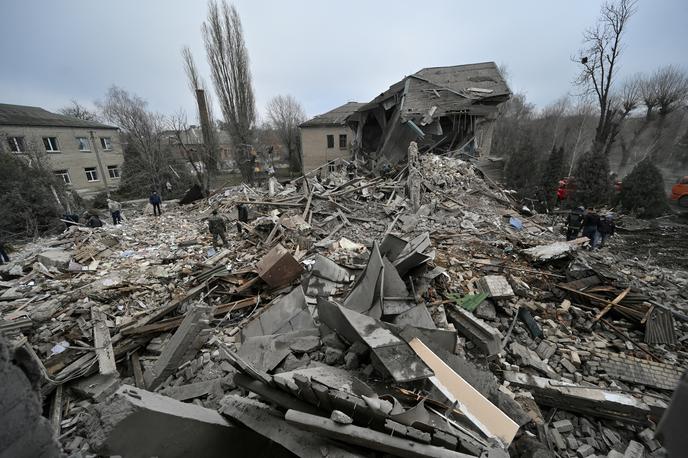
column 106, row 143
column 342, row 141
column 113, row 171
column 16, row 144
column 64, row 174
column 91, row 174
column 51, row 145
column 330, row 141
column 84, row 144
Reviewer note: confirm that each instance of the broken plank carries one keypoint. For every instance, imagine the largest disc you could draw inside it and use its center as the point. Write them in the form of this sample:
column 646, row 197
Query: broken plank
column 102, row 343
column 611, row 305
column 136, row 369
column 479, row 410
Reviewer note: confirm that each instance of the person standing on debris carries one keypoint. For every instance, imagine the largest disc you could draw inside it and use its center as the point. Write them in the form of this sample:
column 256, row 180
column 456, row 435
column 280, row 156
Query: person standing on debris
column 605, row 228
column 115, row 211
column 590, row 222
column 574, row 222
column 242, row 217
column 155, row 201
column 351, row 170
column 3, row 254
column 217, row 227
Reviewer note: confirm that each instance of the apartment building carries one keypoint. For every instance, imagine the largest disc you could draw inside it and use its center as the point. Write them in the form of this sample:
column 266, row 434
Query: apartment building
column 87, row 155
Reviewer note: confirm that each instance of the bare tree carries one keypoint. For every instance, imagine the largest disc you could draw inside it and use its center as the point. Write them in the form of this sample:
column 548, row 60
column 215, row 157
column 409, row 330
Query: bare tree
column 671, row 83
column 648, row 94
column 285, row 114
column 599, row 60
column 231, row 76
column 76, row 110
column 143, row 130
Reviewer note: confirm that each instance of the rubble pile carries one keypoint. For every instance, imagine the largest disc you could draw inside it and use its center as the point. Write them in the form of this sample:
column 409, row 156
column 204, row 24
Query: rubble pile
column 341, row 322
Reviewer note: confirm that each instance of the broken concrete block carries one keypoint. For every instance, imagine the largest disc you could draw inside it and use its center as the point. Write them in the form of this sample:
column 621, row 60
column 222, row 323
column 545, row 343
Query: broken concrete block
column 286, row 314
column 44, row 311
column 528, row 357
column 170, row 428
column 584, row 451
column 563, row 426
column 486, row 310
column 340, row 417
column 278, row 267
column 546, row 349
column 418, row 316
column 333, row 356
column 183, row 345
column 351, row 360
column 96, row 387
column 484, row 336
column 634, row 450
column 268, row 423
column 577, row 398
column 496, row 287
column 367, row 437
column 558, row 440
column 55, row 257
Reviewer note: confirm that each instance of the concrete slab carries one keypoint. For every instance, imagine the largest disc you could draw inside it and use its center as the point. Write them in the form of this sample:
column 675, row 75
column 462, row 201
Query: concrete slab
column 55, row 257
column 137, row 423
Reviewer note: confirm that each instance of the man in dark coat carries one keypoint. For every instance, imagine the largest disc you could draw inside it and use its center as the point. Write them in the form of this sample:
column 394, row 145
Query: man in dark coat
column 590, row 222
column 155, row 201
column 574, row 222
column 606, row 228
column 243, row 216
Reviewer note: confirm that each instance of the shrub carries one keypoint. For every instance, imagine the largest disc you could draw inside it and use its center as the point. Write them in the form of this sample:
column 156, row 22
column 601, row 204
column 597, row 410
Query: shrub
column 642, row 191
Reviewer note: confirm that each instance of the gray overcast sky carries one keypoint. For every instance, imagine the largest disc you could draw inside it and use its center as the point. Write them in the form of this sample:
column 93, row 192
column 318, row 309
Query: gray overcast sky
column 324, row 53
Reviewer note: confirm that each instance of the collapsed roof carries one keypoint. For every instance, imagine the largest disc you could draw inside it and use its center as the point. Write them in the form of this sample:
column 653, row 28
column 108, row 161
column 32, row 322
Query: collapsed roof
column 443, row 108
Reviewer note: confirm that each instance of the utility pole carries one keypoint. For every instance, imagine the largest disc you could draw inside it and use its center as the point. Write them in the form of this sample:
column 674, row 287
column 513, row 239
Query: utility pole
column 100, row 163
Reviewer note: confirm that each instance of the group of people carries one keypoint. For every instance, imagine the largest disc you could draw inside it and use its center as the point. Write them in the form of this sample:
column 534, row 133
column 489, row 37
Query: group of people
column 217, row 225
column 593, row 226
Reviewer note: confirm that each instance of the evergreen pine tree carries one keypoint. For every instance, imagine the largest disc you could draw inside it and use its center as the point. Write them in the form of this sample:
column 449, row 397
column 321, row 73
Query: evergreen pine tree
column 521, row 168
column 642, row 191
column 592, row 180
column 554, row 171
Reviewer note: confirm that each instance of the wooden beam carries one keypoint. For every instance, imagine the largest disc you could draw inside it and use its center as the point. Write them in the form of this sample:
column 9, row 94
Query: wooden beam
column 102, row 342
column 611, row 305
column 136, row 369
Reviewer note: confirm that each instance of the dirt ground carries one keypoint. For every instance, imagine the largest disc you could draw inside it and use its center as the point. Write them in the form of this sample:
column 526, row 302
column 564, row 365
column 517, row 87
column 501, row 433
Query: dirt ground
column 665, row 243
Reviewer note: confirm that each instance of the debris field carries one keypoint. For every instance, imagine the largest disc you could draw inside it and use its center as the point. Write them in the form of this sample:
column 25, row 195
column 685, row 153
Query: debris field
column 422, row 314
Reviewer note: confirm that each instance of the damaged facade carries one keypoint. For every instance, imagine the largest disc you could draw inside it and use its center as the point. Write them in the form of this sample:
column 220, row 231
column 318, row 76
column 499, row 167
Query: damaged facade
column 443, row 109
column 326, row 140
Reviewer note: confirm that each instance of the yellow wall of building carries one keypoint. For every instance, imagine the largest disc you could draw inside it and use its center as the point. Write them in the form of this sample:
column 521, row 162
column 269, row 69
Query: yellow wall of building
column 314, row 146
column 70, row 158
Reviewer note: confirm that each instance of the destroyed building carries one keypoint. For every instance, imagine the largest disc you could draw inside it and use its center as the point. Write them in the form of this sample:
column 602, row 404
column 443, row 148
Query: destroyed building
column 345, row 324
column 443, row 109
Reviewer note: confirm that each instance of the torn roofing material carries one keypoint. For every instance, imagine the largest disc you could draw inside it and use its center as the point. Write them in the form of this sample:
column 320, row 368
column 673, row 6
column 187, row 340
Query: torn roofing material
column 392, row 352
column 288, row 313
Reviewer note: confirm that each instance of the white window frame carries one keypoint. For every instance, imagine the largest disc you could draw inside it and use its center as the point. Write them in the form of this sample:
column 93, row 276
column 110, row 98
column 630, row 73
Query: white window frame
column 106, row 143
column 53, row 148
column 64, row 174
column 91, row 178
column 12, row 142
column 88, row 144
column 113, row 168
